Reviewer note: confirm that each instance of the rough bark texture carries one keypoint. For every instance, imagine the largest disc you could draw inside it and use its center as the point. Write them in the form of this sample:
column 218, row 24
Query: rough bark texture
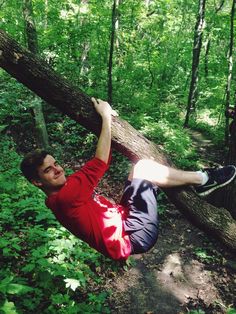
column 112, row 41
column 197, row 45
column 230, row 70
column 230, row 196
column 230, row 130
column 37, row 76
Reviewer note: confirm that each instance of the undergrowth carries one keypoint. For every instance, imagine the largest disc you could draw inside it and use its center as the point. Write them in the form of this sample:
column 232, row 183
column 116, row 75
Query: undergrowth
column 43, row 268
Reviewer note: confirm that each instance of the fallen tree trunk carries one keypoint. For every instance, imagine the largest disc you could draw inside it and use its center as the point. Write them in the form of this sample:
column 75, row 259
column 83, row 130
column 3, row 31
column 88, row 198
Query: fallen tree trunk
column 37, row 76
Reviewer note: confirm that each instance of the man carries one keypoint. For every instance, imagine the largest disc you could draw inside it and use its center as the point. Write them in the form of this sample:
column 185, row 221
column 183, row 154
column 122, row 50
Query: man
column 115, row 230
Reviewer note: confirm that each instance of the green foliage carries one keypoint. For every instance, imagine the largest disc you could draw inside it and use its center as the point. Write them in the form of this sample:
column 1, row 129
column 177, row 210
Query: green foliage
column 151, row 69
column 208, row 254
column 44, row 269
column 161, row 200
column 151, row 75
column 174, row 139
column 203, row 255
column 119, row 168
column 197, row 312
column 208, row 123
column 65, row 132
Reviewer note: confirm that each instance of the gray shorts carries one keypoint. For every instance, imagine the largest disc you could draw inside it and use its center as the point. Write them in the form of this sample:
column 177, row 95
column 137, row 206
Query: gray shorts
column 142, row 222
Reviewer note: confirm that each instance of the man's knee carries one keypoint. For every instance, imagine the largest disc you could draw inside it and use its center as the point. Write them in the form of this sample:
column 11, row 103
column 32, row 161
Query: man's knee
column 151, row 170
column 143, row 168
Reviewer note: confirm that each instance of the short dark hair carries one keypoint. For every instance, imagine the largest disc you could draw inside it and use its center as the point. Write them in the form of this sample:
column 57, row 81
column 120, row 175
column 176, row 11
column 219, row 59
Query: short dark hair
column 31, row 162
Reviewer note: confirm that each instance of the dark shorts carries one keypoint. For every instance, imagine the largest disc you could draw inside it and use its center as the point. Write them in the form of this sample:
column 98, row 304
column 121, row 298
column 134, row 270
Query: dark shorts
column 142, row 222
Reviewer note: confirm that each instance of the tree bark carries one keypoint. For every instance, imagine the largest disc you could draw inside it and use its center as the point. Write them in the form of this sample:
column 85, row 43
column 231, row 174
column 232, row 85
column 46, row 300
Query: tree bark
column 220, row 6
column 197, row 45
column 230, row 195
column 112, row 42
column 37, row 76
column 230, row 70
column 230, row 129
column 32, row 41
column 208, row 44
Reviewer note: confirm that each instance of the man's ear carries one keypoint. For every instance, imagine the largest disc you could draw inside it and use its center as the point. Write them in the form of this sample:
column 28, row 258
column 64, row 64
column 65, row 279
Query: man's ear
column 37, row 182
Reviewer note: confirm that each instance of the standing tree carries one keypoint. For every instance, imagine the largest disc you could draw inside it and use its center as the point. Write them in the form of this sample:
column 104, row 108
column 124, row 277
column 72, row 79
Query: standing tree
column 207, row 49
column 32, row 41
column 112, row 42
column 209, row 37
column 230, row 200
column 197, row 45
column 230, row 70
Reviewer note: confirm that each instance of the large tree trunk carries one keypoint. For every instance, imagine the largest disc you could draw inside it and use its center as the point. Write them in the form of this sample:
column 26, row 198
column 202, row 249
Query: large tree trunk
column 37, row 76
column 230, row 130
column 230, row 70
column 197, row 45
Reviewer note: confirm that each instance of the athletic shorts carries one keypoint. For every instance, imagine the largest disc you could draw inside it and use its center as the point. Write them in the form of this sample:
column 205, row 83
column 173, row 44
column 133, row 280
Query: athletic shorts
column 142, row 222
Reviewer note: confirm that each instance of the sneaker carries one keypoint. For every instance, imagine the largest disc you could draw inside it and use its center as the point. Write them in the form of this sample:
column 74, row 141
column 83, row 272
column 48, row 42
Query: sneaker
column 217, row 178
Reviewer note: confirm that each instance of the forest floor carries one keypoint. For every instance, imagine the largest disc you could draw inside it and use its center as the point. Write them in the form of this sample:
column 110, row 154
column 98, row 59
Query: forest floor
column 184, row 271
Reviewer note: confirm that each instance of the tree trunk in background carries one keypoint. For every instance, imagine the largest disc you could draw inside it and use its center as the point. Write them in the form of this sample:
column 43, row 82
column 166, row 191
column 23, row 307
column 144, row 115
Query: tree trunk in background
column 230, row 130
column 32, row 41
column 208, row 41
column 230, row 69
column 37, row 76
column 84, row 67
column 84, row 64
column 112, row 41
column 220, row 6
column 197, row 45
column 227, row 197
column 208, row 44
column 230, row 195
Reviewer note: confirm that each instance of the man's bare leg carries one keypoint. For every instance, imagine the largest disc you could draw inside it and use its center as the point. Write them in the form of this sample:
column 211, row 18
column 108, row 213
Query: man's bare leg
column 164, row 176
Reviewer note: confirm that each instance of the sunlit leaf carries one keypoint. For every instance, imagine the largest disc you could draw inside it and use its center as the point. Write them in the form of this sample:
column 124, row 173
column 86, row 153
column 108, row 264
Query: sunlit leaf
column 73, row 284
column 8, row 308
column 14, row 288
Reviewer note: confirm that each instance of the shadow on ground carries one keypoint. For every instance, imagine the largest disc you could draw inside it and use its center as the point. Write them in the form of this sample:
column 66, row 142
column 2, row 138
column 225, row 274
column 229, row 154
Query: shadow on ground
column 184, row 271
column 170, row 278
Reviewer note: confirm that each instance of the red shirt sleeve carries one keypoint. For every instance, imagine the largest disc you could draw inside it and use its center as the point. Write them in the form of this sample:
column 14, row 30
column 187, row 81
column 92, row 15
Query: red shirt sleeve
column 80, row 186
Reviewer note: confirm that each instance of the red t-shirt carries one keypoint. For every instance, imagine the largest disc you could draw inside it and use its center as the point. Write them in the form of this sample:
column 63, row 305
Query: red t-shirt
column 91, row 217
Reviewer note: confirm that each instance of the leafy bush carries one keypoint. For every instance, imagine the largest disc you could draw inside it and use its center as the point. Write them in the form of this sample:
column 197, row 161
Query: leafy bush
column 173, row 138
column 43, row 268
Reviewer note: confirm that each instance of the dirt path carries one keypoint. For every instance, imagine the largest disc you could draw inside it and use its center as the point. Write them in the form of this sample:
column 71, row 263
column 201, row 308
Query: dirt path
column 178, row 274
column 172, row 278
column 209, row 155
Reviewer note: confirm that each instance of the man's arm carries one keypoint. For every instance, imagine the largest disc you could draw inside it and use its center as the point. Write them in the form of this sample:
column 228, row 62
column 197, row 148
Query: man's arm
column 104, row 141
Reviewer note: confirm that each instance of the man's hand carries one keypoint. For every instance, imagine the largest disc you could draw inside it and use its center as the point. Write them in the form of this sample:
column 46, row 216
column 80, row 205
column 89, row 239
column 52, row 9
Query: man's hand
column 103, row 108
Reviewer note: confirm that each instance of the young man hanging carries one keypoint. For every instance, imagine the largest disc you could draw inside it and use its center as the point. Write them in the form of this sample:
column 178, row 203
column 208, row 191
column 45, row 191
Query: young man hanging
column 115, row 230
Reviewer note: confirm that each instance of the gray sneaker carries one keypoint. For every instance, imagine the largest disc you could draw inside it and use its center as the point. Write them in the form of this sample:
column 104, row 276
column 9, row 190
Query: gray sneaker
column 218, row 177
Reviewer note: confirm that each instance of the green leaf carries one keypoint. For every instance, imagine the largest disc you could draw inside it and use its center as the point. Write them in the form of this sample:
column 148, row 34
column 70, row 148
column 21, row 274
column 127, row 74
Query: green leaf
column 4, row 283
column 14, row 288
column 3, row 127
column 8, row 308
column 28, row 268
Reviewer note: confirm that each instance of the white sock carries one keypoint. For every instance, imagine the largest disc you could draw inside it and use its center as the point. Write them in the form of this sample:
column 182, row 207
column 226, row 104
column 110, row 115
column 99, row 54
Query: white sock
column 204, row 176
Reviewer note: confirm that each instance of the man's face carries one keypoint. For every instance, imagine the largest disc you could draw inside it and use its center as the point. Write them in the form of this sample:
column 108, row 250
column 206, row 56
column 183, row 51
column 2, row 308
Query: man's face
column 51, row 175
